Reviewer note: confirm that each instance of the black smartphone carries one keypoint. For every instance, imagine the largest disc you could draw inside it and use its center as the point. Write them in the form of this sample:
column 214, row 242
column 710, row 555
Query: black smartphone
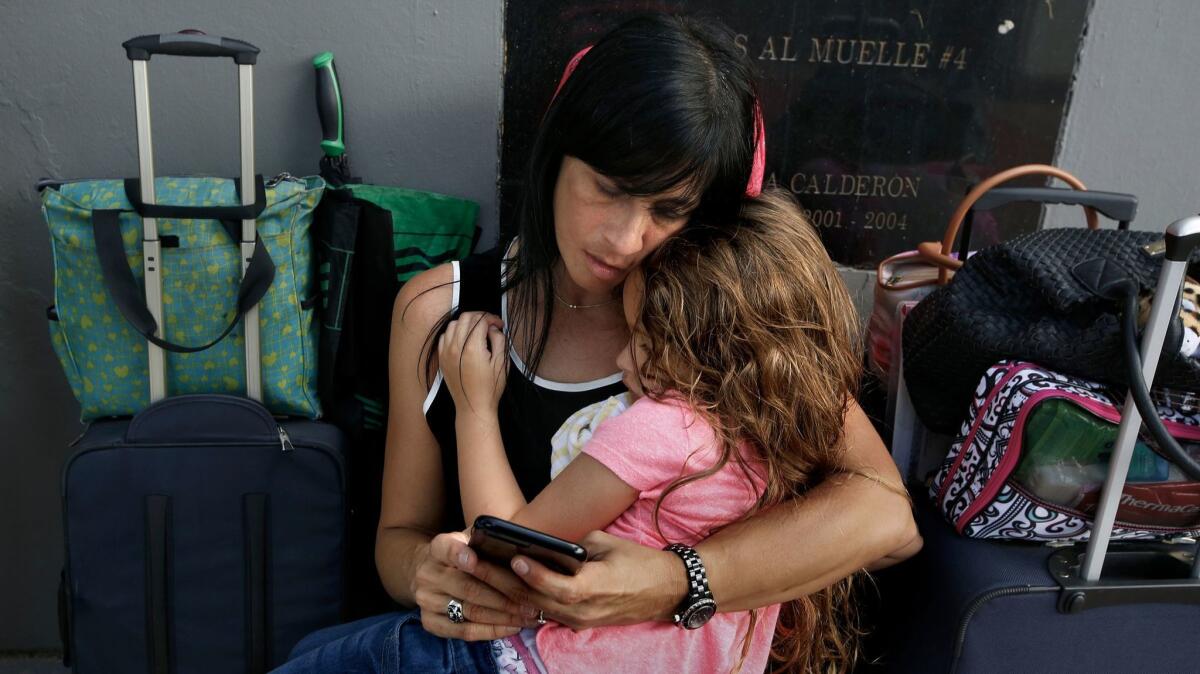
column 498, row 540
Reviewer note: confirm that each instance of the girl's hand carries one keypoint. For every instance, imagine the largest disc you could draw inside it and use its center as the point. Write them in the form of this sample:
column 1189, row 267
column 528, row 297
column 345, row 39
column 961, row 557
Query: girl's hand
column 472, row 355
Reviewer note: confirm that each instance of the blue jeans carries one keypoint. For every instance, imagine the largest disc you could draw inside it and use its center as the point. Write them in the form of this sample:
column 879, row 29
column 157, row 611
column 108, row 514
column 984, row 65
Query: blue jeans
column 386, row 644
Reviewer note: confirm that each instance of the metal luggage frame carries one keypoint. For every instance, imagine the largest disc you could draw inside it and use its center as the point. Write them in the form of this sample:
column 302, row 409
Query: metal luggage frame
column 1142, row 573
column 193, row 44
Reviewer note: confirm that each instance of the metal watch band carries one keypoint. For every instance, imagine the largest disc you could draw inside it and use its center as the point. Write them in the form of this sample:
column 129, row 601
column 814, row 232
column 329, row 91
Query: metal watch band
column 698, row 591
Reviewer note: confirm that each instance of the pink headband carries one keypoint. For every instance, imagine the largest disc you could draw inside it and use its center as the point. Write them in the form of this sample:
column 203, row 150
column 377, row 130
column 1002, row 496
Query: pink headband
column 757, row 169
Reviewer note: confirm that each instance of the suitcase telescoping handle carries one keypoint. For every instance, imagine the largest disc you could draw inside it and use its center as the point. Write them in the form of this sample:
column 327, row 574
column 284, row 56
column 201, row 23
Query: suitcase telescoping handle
column 190, row 43
column 1114, row 205
column 1182, row 237
column 194, row 44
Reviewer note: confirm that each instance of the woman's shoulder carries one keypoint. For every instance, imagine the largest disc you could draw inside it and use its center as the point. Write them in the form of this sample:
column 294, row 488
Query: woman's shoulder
column 424, row 298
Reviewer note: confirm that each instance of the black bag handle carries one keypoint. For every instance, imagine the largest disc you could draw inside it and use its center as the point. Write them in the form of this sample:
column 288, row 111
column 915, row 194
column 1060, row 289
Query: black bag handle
column 1111, row 282
column 1141, row 393
column 1114, row 205
column 123, row 288
column 133, row 192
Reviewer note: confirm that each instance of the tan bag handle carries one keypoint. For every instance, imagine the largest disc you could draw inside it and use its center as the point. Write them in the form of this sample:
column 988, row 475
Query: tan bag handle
column 940, row 254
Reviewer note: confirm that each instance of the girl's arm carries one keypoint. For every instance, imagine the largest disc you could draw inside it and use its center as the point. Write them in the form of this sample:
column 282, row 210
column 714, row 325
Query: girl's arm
column 485, row 479
column 585, row 497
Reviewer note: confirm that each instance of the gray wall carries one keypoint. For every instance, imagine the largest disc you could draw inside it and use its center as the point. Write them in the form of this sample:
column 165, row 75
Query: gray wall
column 421, row 81
column 1132, row 121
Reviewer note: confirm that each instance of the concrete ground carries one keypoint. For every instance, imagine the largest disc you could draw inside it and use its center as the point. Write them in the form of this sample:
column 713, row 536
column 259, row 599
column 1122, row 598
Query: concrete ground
column 41, row 662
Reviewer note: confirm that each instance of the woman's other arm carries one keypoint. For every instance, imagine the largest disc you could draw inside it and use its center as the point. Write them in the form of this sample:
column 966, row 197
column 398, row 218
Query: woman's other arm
column 842, row 526
column 848, row 523
column 416, row 566
column 411, row 505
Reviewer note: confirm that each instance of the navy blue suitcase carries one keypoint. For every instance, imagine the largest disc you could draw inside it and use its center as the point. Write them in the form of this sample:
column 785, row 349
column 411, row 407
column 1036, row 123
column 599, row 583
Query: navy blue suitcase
column 972, row 607
column 203, row 535
column 977, row 606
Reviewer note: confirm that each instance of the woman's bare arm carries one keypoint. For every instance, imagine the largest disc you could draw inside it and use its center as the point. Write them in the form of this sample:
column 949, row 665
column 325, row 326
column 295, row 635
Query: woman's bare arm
column 411, row 505
column 848, row 523
column 418, row 568
column 844, row 525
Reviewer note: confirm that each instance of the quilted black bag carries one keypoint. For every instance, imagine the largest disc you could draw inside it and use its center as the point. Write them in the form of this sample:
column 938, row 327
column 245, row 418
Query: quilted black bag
column 1055, row 297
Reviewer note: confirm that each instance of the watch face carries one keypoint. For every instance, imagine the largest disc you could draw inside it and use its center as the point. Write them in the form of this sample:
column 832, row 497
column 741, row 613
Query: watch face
column 699, row 614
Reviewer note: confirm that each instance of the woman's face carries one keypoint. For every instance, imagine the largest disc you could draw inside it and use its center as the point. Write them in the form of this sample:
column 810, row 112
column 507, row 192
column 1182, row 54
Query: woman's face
column 602, row 232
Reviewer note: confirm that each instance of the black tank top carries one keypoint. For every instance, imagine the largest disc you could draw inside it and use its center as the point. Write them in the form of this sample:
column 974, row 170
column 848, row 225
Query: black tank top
column 531, row 409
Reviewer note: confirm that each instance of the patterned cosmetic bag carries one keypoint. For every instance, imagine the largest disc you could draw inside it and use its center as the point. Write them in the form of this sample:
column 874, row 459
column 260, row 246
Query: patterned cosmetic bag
column 1030, row 460
column 104, row 356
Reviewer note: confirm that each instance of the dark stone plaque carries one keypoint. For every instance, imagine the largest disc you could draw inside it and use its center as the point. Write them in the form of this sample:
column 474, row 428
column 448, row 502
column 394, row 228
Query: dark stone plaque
column 879, row 114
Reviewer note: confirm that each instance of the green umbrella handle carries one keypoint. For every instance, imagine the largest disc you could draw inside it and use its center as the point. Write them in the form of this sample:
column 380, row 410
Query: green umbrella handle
column 329, row 106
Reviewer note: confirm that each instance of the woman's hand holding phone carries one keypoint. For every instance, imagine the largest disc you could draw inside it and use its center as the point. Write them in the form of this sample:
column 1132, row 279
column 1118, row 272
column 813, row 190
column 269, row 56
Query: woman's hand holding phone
column 449, row 570
column 623, row 583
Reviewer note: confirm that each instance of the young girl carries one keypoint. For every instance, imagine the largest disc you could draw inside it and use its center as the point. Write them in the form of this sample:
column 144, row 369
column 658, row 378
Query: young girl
column 742, row 363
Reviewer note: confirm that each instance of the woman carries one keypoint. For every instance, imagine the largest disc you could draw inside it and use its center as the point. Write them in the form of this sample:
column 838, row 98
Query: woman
column 656, row 127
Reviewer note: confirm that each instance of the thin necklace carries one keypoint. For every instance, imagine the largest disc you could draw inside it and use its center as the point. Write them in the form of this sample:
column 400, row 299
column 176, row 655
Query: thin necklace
column 582, row 306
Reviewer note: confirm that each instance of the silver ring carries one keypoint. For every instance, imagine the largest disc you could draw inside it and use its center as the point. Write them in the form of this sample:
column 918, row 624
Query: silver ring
column 541, row 617
column 454, row 611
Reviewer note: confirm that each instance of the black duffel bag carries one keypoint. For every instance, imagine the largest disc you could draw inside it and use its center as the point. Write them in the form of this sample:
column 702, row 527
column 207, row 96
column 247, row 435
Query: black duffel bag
column 1050, row 297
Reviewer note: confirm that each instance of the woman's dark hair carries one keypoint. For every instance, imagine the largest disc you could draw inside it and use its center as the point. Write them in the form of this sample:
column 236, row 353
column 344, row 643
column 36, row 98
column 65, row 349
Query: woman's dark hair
column 659, row 103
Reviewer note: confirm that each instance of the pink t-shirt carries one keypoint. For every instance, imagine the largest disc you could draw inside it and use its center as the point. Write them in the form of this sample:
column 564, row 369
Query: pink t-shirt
column 649, row 446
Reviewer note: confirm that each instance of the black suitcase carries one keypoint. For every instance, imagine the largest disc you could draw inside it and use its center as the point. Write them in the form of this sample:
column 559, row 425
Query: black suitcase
column 966, row 605
column 202, row 535
column 971, row 606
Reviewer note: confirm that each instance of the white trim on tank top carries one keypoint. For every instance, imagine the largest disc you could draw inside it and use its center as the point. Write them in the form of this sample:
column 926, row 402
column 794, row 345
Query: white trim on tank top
column 516, row 359
column 437, row 380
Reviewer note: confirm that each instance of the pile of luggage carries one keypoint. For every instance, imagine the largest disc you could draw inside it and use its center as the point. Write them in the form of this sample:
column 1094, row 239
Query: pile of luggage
column 227, row 342
column 1043, row 411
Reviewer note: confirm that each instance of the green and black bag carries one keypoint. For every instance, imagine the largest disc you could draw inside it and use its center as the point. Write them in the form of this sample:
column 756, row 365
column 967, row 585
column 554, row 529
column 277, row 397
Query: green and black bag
column 369, row 239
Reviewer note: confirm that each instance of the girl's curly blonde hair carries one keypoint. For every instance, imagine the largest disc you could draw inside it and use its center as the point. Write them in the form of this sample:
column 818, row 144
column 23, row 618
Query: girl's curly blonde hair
column 754, row 327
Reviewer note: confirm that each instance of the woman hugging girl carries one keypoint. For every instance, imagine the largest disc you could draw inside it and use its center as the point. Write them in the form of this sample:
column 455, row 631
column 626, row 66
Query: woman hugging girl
column 740, row 366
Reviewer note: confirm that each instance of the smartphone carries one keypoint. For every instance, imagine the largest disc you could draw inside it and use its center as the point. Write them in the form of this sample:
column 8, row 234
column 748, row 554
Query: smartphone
column 498, row 540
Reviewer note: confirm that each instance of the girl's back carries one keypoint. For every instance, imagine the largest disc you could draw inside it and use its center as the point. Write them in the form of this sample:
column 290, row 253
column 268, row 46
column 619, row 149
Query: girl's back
column 650, row 446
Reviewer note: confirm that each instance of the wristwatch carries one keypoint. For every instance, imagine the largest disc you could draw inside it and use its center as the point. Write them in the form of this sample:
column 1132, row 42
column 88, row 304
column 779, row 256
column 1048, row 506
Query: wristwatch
column 698, row 606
